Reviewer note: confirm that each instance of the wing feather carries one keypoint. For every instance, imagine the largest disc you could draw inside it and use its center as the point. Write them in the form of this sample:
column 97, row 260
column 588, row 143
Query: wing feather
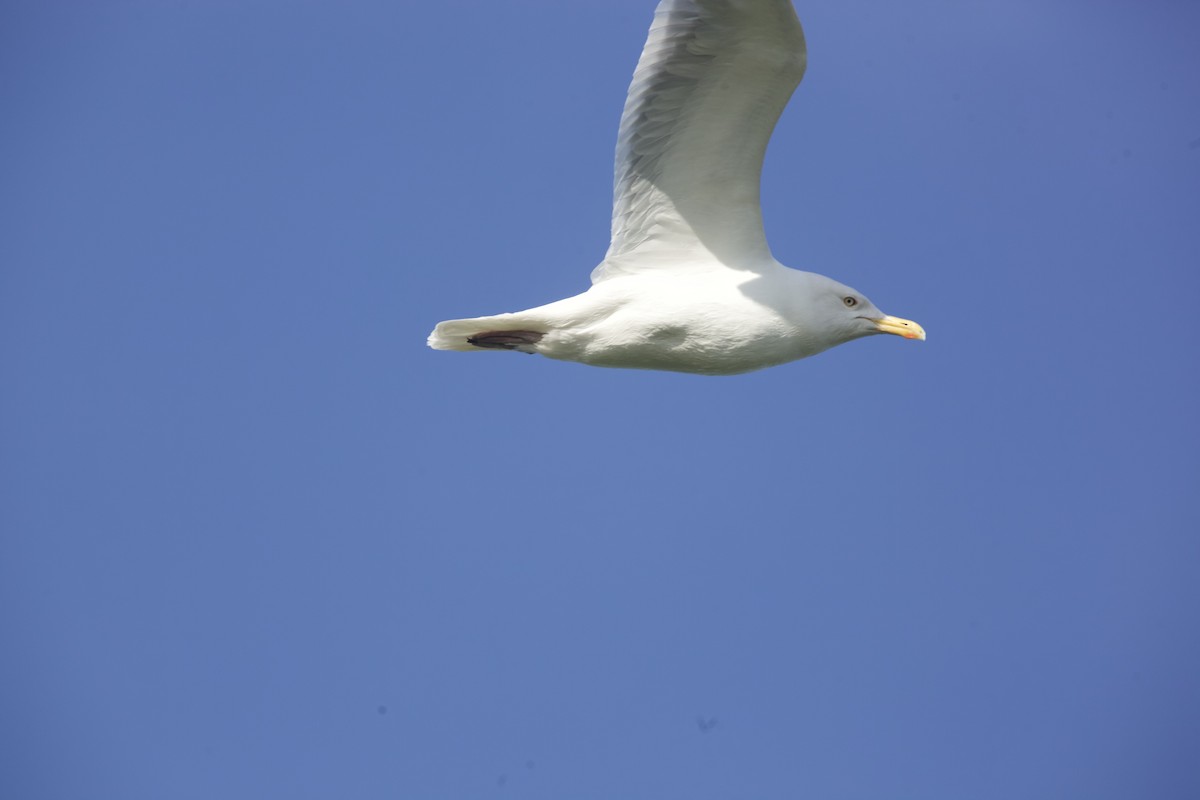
column 712, row 80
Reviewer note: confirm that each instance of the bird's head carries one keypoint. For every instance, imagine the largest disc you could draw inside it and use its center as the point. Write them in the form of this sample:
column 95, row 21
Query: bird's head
column 847, row 313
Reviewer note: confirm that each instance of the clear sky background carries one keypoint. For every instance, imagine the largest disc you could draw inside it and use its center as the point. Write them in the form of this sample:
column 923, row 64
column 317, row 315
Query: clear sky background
column 258, row 541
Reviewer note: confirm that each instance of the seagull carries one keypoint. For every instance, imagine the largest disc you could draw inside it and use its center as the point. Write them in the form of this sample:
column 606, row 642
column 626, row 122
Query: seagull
column 689, row 283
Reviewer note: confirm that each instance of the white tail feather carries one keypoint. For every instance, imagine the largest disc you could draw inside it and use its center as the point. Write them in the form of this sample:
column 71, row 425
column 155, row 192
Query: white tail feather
column 454, row 333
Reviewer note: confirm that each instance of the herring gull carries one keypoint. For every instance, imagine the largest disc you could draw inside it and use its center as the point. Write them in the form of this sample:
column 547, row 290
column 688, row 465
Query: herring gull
column 689, row 283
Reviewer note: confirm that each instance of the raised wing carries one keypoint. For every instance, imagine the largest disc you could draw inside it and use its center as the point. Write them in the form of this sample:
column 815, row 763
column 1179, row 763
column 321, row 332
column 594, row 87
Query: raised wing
column 713, row 78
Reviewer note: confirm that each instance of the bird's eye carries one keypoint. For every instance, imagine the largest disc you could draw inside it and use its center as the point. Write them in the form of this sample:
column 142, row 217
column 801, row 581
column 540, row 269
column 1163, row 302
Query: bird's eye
column 850, row 302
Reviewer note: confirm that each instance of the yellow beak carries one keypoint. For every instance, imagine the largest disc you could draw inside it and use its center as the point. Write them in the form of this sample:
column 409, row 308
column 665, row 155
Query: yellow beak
column 901, row 327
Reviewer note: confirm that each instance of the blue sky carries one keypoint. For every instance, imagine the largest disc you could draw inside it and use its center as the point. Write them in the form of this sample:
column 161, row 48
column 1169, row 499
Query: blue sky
column 258, row 541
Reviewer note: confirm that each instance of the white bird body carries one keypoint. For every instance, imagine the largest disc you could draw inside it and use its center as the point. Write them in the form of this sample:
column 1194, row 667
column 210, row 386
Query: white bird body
column 717, row 322
column 689, row 283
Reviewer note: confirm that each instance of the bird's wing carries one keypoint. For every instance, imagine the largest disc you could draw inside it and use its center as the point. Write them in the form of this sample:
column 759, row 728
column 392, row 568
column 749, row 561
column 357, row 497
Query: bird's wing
column 713, row 78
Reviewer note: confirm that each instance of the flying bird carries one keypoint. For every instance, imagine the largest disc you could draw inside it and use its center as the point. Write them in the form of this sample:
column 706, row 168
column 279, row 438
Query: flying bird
column 689, row 283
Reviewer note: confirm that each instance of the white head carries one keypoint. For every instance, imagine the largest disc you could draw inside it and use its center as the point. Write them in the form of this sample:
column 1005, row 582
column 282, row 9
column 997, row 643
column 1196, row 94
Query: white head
column 839, row 314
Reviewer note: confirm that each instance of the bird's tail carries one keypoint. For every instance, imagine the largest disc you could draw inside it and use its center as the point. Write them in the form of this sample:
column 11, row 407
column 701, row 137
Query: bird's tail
column 454, row 334
column 499, row 332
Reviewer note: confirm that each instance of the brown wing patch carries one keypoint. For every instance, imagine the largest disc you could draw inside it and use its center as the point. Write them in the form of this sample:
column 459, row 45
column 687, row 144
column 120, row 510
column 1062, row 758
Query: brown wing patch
column 506, row 340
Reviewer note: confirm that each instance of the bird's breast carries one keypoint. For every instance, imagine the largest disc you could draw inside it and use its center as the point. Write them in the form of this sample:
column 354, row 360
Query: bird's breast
column 722, row 333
